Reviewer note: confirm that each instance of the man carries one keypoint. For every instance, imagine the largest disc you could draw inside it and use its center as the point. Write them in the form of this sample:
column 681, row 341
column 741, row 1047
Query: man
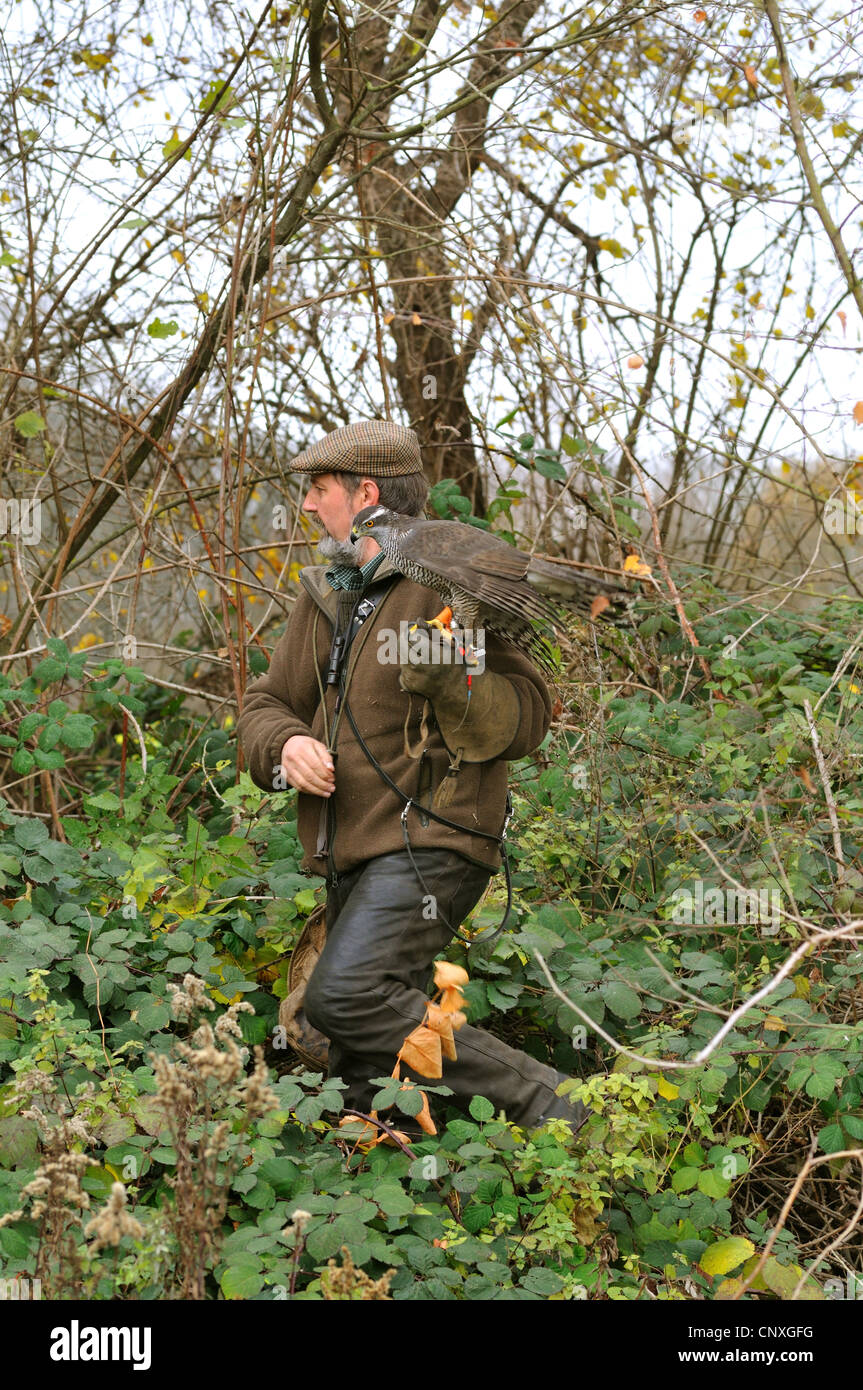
column 399, row 882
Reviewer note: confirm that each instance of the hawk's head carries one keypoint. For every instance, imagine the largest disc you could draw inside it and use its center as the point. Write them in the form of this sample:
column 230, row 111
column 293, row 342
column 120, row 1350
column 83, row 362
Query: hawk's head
column 378, row 522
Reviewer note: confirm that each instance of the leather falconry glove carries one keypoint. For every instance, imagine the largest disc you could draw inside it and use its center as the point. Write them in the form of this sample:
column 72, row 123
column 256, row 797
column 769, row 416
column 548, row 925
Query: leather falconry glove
column 480, row 719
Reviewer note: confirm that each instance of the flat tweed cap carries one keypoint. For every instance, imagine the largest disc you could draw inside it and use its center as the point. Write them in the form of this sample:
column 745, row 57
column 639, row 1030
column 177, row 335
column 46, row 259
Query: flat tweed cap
column 376, row 448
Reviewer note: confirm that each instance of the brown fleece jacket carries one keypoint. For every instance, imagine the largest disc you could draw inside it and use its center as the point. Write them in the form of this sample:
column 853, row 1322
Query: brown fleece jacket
column 363, row 814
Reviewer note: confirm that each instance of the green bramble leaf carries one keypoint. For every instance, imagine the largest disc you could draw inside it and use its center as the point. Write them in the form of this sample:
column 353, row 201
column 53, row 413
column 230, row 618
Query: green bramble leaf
column 170, row 147
column 481, row 1109
column 158, row 329
column 29, row 424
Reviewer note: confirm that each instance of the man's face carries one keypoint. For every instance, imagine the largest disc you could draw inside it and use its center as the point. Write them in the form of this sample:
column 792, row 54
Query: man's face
column 335, row 509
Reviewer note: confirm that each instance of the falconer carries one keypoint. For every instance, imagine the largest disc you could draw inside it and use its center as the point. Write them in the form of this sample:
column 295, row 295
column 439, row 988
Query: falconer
column 368, row 740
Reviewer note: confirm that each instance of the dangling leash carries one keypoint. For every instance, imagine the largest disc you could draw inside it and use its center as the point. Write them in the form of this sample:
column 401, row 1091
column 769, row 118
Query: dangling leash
column 339, row 650
column 499, row 840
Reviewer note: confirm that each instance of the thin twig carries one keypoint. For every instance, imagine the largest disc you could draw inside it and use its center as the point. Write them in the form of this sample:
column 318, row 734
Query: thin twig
column 828, row 793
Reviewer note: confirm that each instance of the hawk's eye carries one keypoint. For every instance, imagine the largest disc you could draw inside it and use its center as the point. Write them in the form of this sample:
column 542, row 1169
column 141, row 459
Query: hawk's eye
column 370, row 522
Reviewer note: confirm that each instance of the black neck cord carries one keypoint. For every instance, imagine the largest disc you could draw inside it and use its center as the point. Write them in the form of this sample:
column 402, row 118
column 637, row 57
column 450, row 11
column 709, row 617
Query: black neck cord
column 441, row 820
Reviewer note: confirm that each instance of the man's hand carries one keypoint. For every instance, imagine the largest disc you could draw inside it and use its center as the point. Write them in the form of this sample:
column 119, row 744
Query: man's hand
column 308, row 766
column 480, row 718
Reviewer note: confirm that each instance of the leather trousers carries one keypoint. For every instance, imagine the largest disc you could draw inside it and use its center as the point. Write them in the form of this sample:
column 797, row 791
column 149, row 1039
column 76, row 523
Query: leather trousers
column 370, row 986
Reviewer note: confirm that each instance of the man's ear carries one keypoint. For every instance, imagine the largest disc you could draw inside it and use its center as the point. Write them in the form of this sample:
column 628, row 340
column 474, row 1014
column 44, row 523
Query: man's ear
column 369, row 492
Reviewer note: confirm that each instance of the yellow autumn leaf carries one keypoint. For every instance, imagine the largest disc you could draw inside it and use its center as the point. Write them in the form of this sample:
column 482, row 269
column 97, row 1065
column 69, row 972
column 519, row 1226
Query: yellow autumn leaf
column 724, row 1255
column 728, row 1290
column 188, row 900
column 636, row 566
column 773, row 1024
column 667, row 1089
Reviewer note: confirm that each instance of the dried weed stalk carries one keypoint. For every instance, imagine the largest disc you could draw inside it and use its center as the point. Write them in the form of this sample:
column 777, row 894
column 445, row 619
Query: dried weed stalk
column 195, row 1092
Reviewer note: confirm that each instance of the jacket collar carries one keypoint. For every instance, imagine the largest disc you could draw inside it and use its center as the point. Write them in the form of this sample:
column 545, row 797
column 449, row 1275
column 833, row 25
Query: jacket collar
column 314, row 580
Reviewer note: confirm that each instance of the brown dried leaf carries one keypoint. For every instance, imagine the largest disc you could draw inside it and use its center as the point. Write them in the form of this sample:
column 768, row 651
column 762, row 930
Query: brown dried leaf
column 424, row 1119
column 421, row 1050
column 751, row 76
column 441, row 1023
column 599, row 605
column 449, row 976
column 452, row 1001
column 858, row 412
column 389, row 1139
column 368, row 1136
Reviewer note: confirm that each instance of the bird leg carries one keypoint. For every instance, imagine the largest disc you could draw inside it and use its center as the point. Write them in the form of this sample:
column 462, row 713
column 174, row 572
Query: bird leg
column 443, row 621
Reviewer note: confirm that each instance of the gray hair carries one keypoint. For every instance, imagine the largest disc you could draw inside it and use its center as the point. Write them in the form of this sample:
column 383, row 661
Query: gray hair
column 407, row 493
